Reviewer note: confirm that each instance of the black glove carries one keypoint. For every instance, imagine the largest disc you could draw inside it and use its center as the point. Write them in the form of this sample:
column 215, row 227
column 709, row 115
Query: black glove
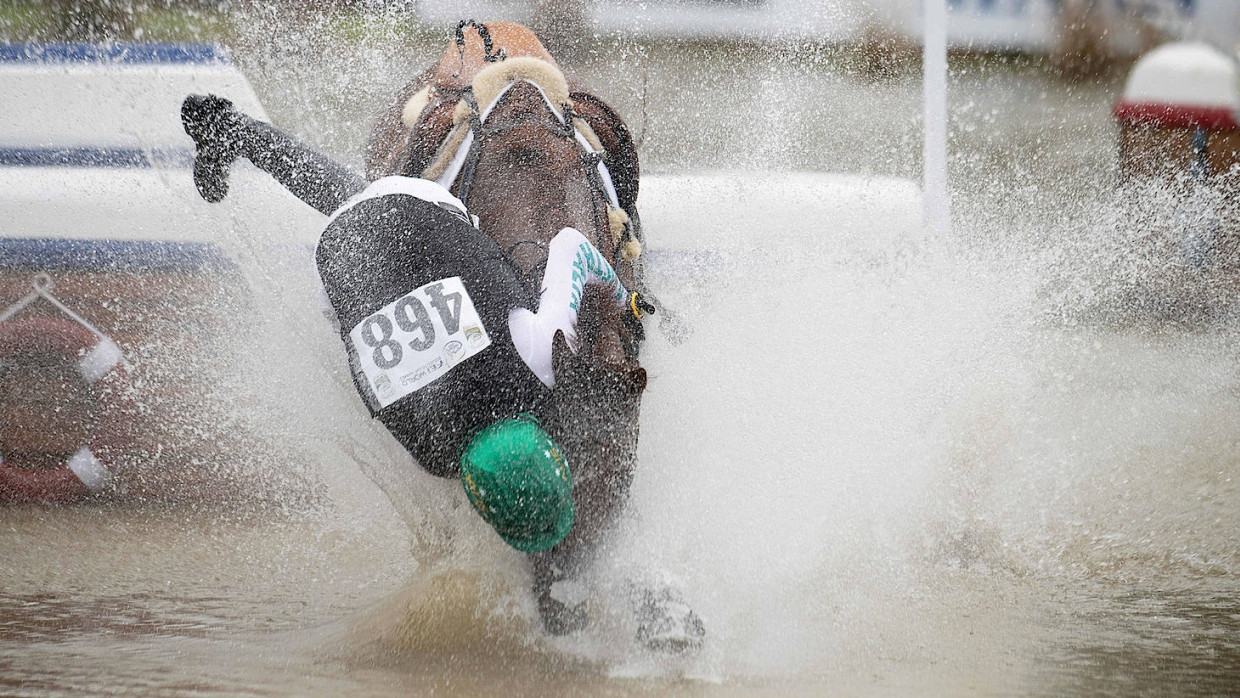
column 218, row 130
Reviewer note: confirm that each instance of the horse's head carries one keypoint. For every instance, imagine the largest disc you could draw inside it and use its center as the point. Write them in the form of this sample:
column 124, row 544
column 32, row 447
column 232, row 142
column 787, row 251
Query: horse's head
column 531, row 178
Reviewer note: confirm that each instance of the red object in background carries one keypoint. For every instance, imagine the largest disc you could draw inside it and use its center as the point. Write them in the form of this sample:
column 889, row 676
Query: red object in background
column 67, row 340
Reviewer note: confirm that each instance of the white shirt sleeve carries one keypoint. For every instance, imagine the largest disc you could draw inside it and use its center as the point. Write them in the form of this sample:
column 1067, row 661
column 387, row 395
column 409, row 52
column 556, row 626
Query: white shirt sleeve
column 572, row 262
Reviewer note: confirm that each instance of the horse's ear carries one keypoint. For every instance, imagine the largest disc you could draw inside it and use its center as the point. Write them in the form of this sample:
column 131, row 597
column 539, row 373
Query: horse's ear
column 637, row 379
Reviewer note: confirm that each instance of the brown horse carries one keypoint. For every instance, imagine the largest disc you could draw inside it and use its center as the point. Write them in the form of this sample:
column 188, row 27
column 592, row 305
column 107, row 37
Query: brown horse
column 496, row 121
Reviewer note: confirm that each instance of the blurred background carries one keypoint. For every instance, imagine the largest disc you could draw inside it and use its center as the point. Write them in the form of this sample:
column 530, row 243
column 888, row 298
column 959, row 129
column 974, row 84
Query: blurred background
column 1077, row 30
column 1032, row 80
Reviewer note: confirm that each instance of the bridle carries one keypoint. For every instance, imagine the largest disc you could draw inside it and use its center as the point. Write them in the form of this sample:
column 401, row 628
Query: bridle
column 463, row 166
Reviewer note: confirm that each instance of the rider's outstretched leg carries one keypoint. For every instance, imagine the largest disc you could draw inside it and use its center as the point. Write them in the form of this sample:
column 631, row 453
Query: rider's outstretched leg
column 222, row 134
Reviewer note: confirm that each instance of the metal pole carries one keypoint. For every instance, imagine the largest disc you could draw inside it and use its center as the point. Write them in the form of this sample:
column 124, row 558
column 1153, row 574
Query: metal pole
column 936, row 204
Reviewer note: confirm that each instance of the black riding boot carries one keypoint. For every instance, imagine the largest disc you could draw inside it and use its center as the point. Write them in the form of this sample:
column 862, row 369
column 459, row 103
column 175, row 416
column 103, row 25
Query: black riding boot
column 222, row 134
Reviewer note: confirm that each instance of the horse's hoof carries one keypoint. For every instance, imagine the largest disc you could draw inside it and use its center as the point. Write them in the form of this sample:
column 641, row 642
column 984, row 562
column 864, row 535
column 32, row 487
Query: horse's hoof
column 667, row 624
column 559, row 618
column 562, row 605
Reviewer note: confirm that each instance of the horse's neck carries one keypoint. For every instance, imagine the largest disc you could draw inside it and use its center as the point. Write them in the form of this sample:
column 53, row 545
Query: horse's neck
column 527, row 246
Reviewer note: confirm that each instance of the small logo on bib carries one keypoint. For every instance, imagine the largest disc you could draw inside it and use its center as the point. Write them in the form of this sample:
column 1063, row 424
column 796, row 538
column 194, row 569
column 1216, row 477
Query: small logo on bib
column 454, row 351
column 474, row 336
column 383, row 385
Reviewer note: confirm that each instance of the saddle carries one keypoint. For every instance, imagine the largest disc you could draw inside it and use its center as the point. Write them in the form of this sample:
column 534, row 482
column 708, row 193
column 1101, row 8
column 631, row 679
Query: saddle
column 422, row 128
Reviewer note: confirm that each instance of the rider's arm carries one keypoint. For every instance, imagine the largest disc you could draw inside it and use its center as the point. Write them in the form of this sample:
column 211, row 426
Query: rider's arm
column 572, row 262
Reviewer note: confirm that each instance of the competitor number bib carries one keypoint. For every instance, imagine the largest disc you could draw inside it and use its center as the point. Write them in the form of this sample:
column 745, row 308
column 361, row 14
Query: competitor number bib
column 407, row 344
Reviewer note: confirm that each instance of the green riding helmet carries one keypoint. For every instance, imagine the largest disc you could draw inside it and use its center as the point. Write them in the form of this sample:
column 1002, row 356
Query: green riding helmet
column 516, row 478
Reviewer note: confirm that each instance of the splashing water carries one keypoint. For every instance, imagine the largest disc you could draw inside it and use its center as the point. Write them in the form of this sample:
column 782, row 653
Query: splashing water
column 878, row 465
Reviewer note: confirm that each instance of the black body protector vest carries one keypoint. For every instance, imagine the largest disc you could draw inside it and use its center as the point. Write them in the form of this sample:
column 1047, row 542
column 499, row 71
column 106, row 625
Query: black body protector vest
column 423, row 299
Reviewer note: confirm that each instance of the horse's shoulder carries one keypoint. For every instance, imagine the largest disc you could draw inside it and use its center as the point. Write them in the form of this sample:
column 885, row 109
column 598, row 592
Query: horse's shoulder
column 411, row 131
column 385, row 149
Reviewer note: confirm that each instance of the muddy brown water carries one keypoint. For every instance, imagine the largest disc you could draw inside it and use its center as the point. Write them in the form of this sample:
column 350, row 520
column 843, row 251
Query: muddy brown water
column 945, row 477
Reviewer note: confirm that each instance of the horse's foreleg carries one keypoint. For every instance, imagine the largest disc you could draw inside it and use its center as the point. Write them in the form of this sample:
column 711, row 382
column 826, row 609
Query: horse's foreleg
column 599, row 496
column 559, row 591
column 558, row 586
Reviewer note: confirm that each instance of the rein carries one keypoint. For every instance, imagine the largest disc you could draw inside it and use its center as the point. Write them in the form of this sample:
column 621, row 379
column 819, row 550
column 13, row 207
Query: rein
column 490, row 55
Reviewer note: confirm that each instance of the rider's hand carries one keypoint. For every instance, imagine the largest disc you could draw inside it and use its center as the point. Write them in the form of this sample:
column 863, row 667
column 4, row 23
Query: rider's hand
column 218, row 130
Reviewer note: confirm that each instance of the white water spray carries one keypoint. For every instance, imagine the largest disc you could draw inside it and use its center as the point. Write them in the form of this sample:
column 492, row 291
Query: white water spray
column 873, row 469
column 934, row 168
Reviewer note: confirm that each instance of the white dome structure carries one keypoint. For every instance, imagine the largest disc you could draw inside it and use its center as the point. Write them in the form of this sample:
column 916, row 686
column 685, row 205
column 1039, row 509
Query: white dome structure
column 1185, row 85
